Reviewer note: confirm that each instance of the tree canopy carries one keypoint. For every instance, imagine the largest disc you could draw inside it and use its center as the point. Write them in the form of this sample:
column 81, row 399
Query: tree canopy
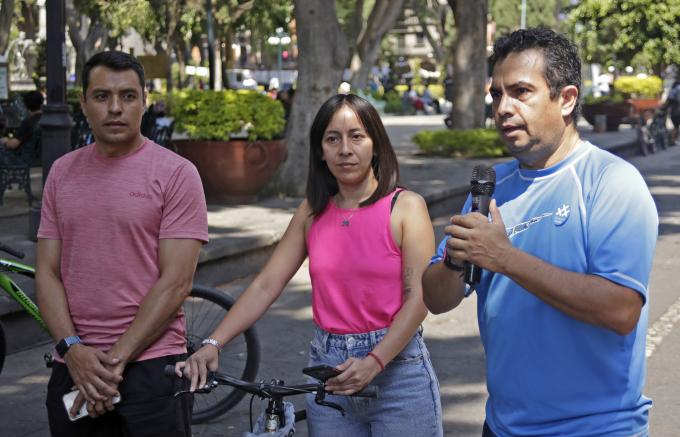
column 628, row 32
column 507, row 14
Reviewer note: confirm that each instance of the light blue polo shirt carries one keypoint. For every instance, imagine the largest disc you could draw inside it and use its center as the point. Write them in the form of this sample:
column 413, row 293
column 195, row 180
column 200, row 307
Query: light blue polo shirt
column 549, row 374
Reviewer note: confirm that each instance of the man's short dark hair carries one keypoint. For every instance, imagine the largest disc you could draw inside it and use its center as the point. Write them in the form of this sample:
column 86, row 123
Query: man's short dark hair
column 33, row 100
column 114, row 60
column 562, row 62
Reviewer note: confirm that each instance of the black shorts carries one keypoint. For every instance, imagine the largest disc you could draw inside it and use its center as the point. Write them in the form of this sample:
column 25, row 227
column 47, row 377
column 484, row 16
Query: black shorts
column 147, row 408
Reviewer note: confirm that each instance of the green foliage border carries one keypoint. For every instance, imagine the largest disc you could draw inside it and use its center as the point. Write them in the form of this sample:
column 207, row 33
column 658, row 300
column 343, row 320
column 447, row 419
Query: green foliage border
column 468, row 143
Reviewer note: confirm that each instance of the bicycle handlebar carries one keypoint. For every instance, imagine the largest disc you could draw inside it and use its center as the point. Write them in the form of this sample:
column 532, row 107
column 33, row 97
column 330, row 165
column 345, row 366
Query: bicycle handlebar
column 16, row 253
column 269, row 390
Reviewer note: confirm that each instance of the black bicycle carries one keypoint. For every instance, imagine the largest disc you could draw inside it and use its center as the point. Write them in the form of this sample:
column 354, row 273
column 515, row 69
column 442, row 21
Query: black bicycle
column 279, row 418
column 652, row 131
column 203, row 310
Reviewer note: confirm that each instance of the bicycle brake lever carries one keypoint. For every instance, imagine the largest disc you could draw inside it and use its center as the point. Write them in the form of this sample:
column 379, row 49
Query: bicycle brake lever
column 207, row 388
column 331, row 405
column 320, row 399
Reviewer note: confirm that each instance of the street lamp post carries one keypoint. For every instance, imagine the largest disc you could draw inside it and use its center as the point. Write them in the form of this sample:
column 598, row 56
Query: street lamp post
column 55, row 121
column 280, row 39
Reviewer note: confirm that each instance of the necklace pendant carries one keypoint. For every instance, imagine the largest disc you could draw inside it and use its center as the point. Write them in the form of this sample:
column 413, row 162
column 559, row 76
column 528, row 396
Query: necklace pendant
column 345, row 222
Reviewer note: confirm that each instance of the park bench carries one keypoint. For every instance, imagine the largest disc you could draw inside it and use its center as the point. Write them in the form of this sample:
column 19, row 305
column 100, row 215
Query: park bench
column 81, row 133
column 162, row 134
column 19, row 172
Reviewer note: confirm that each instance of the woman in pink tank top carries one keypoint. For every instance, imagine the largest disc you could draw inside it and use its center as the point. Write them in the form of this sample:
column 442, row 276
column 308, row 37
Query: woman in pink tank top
column 367, row 252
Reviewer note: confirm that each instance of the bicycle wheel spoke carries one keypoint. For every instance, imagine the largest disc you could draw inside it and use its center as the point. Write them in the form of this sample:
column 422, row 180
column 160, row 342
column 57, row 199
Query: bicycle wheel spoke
column 203, row 311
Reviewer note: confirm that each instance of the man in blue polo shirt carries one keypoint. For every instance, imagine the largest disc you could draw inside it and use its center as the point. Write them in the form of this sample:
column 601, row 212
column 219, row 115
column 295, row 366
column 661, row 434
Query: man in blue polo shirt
column 566, row 255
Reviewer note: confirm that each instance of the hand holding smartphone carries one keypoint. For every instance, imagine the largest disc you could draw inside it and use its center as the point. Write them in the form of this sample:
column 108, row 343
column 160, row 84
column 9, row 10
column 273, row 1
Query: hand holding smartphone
column 323, row 372
column 70, row 397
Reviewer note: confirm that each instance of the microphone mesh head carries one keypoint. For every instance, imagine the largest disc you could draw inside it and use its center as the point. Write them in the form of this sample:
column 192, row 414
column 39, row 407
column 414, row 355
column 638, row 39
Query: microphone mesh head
column 483, row 181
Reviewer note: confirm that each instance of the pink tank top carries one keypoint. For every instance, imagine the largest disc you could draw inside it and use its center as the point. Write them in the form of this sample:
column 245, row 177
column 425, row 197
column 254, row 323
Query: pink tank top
column 355, row 267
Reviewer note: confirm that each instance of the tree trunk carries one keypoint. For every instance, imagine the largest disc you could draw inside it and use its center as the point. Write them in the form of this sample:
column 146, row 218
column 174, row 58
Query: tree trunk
column 469, row 64
column 29, row 15
column 161, row 50
column 383, row 17
column 226, row 55
column 6, row 15
column 420, row 7
column 322, row 56
column 219, row 68
column 182, row 55
column 354, row 30
column 170, row 84
column 87, row 38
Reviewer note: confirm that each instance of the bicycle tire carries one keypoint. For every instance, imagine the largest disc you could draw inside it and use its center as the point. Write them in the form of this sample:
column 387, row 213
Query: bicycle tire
column 644, row 141
column 203, row 310
column 3, row 347
column 662, row 139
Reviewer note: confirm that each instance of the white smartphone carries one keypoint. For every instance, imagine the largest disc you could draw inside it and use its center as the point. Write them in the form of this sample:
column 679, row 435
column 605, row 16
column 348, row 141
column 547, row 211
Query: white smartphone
column 70, row 397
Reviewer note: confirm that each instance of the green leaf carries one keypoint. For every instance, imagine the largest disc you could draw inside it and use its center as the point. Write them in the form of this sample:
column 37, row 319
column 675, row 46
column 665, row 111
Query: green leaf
column 222, row 115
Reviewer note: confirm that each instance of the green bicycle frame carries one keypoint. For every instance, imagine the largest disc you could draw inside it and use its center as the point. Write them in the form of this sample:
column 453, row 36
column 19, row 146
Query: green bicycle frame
column 13, row 289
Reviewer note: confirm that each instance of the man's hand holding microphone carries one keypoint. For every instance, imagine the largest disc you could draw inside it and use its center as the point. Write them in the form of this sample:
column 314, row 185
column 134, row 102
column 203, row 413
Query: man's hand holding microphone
column 477, row 243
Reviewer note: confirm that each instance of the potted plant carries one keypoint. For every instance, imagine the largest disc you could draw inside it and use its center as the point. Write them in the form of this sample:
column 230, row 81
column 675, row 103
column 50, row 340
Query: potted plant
column 234, row 138
column 613, row 107
column 642, row 92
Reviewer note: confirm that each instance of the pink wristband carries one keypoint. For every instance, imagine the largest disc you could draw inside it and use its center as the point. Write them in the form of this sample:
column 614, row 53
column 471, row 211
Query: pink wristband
column 375, row 357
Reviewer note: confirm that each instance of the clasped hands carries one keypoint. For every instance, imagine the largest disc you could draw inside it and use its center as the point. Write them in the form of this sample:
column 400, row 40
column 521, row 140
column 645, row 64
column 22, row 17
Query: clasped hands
column 96, row 375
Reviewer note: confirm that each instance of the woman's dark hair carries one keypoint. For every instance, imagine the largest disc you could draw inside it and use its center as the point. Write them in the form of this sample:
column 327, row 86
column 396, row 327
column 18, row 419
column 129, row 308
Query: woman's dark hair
column 321, row 184
column 114, row 60
column 561, row 59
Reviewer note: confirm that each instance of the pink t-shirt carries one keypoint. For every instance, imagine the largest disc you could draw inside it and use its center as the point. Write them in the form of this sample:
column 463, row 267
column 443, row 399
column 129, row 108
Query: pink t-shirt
column 110, row 214
column 355, row 267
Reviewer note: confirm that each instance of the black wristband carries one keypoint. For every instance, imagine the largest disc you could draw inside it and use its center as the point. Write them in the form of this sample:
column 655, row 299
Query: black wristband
column 451, row 265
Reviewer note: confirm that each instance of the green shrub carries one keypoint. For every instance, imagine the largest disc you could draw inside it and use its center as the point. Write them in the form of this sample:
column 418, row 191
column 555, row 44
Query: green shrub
column 73, row 99
column 222, row 115
column 73, row 94
column 378, row 94
column 633, row 86
column 468, row 143
column 393, row 103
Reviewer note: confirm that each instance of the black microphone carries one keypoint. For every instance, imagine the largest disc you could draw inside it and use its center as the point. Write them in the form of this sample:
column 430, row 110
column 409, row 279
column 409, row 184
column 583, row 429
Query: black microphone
column 482, row 184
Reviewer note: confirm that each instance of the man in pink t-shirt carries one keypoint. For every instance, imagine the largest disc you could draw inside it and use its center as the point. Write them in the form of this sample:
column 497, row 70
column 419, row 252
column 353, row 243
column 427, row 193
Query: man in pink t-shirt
column 122, row 223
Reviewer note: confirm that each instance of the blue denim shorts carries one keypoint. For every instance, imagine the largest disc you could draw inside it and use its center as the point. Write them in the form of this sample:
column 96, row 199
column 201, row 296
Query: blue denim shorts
column 408, row 402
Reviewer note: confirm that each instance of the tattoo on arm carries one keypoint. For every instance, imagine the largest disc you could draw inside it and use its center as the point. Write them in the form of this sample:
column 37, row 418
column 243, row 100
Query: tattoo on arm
column 407, row 275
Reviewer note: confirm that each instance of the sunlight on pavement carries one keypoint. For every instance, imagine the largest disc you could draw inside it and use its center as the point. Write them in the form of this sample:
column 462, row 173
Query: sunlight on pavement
column 662, row 327
column 25, row 384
